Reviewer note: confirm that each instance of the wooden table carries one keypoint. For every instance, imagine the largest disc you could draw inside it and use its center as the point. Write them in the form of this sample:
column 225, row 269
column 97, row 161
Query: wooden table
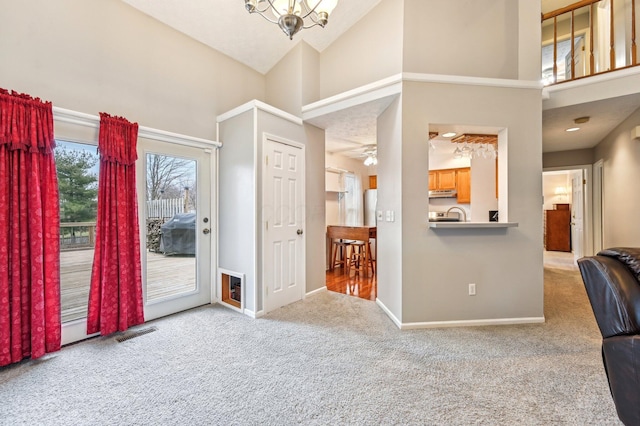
column 358, row 233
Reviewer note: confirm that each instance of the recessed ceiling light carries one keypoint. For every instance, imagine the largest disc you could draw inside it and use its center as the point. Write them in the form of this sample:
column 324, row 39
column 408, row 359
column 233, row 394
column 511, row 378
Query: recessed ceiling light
column 572, row 129
column 449, row 134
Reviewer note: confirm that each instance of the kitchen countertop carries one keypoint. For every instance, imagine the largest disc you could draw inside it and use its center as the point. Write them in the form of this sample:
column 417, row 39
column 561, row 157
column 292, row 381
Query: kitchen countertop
column 467, row 225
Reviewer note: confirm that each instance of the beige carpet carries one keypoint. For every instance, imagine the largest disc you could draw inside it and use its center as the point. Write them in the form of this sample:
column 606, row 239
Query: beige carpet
column 328, row 360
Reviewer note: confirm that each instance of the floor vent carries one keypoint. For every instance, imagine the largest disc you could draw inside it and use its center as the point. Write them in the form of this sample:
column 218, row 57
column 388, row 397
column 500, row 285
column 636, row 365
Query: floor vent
column 136, row 333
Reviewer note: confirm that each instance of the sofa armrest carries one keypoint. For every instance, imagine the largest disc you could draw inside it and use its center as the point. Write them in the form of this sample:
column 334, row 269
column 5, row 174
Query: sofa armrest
column 622, row 362
column 614, row 294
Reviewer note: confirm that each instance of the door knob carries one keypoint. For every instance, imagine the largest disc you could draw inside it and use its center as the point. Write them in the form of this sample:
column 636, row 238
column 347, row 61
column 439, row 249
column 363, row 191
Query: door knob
column 299, row 231
column 205, row 231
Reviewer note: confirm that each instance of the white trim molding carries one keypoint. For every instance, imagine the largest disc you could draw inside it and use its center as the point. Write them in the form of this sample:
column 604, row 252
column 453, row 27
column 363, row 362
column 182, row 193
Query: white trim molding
column 93, row 121
column 472, row 81
column 458, row 323
column 316, row 291
column 259, row 105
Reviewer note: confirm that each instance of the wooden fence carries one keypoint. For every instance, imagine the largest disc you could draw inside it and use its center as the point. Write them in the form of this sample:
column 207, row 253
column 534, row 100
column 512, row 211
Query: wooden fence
column 165, row 208
column 77, row 235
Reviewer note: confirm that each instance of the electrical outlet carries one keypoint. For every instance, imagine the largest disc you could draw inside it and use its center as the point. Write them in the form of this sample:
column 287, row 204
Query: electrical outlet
column 379, row 215
column 472, row 289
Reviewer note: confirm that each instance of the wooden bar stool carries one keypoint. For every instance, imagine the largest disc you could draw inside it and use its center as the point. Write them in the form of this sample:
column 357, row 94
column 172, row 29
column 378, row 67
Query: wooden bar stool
column 360, row 259
column 342, row 260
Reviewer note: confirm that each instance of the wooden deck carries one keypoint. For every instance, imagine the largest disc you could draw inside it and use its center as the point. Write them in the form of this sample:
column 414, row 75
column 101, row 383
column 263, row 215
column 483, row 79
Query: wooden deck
column 166, row 276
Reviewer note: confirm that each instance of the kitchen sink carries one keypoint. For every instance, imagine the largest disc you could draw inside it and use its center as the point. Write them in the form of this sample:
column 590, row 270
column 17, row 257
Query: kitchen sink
column 444, row 219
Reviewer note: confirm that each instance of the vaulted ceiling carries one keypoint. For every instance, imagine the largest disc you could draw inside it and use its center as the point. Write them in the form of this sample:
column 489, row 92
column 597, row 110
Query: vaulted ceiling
column 226, row 26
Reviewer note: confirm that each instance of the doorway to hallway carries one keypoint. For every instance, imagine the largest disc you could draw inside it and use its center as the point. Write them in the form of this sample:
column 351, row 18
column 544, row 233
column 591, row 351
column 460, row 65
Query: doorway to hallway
column 569, row 189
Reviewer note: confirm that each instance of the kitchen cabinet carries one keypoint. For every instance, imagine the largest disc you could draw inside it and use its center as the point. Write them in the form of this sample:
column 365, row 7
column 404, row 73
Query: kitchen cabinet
column 463, row 185
column 448, row 179
column 442, row 179
column 433, row 180
column 333, row 181
column 373, row 182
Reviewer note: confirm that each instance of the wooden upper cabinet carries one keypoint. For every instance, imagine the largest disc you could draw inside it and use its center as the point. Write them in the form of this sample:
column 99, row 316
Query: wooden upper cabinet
column 373, row 182
column 463, row 180
column 447, row 179
column 433, row 180
column 458, row 179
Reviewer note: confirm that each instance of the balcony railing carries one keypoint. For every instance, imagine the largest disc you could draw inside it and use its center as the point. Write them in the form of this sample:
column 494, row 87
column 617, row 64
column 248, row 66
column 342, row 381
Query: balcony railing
column 77, row 235
column 588, row 37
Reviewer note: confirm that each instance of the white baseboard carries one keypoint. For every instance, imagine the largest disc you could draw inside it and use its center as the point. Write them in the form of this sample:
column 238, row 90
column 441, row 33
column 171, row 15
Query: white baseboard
column 252, row 314
column 318, row 290
column 390, row 314
column 457, row 323
column 471, row 323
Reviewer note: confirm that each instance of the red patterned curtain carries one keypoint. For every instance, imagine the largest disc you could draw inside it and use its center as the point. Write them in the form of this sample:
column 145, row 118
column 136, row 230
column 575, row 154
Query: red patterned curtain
column 29, row 230
column 115, row 298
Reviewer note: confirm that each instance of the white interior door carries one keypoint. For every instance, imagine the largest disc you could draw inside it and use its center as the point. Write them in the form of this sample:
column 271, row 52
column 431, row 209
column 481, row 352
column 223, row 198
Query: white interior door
column 283, row 220
column 577, row 214
column 174, row 193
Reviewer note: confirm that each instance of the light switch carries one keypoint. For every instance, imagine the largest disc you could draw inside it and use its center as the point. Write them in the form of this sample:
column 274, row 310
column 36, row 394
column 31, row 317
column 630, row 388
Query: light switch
column 388, row 215
column 393, row 216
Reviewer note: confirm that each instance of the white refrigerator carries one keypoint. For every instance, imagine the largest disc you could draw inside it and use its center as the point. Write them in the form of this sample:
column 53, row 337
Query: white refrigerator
column 370, row 200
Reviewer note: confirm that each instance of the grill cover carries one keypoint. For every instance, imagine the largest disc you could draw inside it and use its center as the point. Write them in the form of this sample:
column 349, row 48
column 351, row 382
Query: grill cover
column 178, row 234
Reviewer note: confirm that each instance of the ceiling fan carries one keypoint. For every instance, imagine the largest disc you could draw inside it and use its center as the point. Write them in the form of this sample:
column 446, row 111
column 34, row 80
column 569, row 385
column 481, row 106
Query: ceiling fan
column 358, row 151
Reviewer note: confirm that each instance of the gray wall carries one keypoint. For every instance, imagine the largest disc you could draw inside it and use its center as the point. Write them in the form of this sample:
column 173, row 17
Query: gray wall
column 315, row 208
column 93, row 56
column 576, row 157
column 294, row 81
column 462, row 37
column 390, row 197
column 237, row 202
column 505, row 264
column 369, row 51
column 621, row 156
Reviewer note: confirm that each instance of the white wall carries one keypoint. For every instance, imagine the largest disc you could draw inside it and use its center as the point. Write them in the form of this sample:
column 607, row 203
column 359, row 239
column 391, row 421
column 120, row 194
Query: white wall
column 332, row 199
column 551, row 181
column 483, row 188
column 107, row 56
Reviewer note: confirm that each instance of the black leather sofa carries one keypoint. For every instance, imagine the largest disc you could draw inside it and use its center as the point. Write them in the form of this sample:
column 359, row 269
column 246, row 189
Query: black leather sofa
column 612, row 281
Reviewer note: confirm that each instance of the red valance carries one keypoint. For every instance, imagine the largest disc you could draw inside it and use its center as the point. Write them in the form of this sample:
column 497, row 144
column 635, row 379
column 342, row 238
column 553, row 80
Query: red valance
column 117, row 140
column 26, row 123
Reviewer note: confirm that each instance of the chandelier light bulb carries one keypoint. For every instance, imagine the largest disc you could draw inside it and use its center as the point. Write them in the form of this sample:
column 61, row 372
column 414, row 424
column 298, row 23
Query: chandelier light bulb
column 293, row 15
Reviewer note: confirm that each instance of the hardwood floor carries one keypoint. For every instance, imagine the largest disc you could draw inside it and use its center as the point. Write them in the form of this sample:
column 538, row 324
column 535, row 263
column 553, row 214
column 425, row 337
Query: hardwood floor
column 352, row 284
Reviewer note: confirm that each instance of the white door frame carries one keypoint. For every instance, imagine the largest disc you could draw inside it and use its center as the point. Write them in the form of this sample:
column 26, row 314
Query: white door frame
column 598, row 202
column 266, row 137
column 205, row 276
column 587, row 169
column 76, row 124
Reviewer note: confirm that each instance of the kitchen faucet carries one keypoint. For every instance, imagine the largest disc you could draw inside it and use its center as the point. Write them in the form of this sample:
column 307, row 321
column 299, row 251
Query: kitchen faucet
column 464, row 213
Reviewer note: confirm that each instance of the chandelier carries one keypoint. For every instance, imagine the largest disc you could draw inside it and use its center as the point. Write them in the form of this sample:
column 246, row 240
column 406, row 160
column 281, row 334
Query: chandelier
column 290, row 15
